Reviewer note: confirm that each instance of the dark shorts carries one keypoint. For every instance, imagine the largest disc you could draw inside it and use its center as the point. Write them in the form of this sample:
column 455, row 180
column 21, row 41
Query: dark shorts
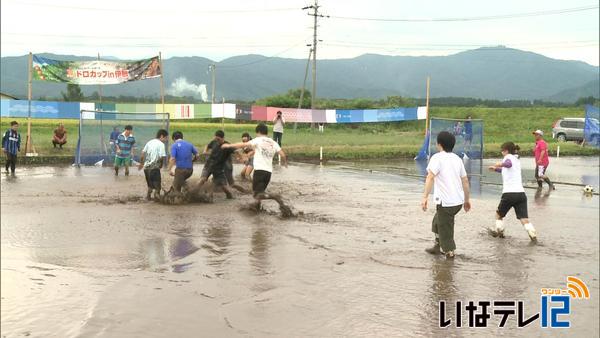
column 181, row 175
column 468, row 137
column 260, row 181
column 229, row 175
column 277, row 137
column 219, row 177
column 517, row 200
column 205, row 170
column 153, row 178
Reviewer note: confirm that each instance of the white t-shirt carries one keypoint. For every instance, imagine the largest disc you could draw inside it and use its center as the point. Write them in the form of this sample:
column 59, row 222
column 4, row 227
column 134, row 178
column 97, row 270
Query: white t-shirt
column 264, row 150
column 511, row 176
column 278, row 125
column 448, row 169
column 154, row 150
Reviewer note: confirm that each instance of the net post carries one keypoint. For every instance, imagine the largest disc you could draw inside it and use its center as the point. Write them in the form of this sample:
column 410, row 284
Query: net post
column 78, row 156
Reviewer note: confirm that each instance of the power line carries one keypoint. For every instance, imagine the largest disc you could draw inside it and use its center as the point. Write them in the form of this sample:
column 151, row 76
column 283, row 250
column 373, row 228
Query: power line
column 475, row 18
column 161, row 11
column 268, row 58
column 121, row 37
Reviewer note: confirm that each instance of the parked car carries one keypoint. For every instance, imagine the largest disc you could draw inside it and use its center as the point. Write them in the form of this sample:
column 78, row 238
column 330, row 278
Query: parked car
column 568, row 129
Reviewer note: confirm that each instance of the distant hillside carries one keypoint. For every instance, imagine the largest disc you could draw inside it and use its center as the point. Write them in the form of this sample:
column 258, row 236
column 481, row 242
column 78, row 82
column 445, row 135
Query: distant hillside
column 487, row 73
column 571, row 95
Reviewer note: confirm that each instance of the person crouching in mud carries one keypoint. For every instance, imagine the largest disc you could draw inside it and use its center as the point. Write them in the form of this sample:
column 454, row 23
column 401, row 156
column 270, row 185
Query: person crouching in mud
column 264, row 151
column 183, row 154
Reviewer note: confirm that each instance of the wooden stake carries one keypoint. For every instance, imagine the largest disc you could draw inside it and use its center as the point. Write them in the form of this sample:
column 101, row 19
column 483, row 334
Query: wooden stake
column 29, row 148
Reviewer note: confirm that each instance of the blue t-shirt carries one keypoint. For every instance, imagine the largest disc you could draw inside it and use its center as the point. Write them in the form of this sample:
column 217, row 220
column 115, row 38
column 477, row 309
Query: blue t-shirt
column 183, row 152
column 468, row 128
column 125, row 143
column 114, row 135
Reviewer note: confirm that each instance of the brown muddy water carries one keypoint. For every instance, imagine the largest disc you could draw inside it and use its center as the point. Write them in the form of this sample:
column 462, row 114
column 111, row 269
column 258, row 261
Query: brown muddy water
column 84, row 256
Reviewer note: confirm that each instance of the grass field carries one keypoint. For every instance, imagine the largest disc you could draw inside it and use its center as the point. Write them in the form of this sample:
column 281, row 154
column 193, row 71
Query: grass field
column 356, row 141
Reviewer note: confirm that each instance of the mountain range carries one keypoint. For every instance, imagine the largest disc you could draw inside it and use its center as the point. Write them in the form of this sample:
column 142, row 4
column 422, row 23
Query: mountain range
column 487, row 73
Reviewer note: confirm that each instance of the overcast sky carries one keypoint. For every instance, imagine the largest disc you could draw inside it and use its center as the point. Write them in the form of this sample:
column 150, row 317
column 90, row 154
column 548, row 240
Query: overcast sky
column 220, row 29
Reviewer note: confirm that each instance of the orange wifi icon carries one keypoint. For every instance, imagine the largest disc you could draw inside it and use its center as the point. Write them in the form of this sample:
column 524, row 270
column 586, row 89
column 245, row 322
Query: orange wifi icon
column 577, row 288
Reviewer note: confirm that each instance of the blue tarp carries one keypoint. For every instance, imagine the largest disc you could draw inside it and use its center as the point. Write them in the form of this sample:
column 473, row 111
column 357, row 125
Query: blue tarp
column 591, row 130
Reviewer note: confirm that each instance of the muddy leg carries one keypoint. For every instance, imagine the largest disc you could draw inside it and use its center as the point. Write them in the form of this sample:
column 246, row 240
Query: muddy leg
column 285, row 210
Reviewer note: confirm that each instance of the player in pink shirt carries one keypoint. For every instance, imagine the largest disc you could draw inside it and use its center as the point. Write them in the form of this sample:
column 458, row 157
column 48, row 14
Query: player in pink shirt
column 541, row 159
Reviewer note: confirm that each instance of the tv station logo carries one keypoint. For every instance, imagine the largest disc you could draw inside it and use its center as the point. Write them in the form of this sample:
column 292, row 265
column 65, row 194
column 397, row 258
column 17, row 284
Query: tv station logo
column 555, row 307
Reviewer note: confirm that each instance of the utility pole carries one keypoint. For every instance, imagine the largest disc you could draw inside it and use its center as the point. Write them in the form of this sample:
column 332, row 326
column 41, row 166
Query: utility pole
column 303, row 86
column 314, row 50
column 211, row 68
column 315, row 14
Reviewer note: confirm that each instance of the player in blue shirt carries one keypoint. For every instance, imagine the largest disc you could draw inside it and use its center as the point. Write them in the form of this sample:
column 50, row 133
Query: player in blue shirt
column 183, row 153
column 113, row 138
column 11, row 144
column 124, row 147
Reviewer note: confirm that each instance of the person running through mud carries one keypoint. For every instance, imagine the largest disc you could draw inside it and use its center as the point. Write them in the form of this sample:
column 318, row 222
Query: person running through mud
column 183, row 153
column 513, row 194
column 207, row 152
column 447, row 175
column 124, row 150
column 152, row 159
column 265, row 149
column 249, row 161
column 542, row 160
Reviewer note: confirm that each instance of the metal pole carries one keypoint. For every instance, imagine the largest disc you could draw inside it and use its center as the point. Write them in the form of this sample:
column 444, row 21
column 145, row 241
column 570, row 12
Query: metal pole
column 303, row 87
column 427, row 108
column 28, row 142
column 314, row 50
column 212, row 69
column 100, row 88
column 223, row 115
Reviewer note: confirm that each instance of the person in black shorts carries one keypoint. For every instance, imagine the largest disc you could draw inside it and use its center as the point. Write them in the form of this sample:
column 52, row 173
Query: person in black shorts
column 265, row 149
column 216, row 164
column 513, row 194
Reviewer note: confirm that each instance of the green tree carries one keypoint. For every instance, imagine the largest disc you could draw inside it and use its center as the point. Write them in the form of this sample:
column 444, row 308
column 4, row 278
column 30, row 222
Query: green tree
column 287, row 100
column 73, row 94
column 587, row 100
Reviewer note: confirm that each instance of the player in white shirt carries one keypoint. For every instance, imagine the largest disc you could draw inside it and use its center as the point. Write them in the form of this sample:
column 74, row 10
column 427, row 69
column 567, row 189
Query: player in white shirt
column 513, row 194
column 153, row 158
column 446, row 174
column 265, row 149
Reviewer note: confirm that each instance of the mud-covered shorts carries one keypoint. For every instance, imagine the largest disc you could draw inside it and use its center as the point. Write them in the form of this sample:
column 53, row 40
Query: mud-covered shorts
column 181, row 175
column 260, row 181
column 153, row 178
